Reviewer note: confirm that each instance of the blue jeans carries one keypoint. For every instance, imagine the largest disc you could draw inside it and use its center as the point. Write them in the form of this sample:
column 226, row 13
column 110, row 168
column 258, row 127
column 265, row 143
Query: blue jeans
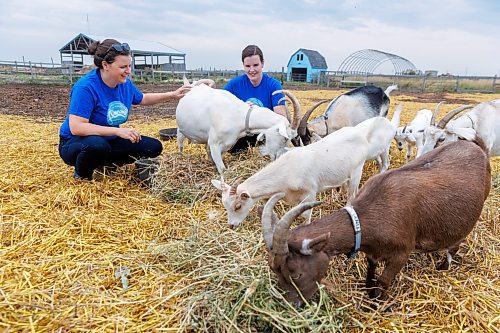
column 87, row 153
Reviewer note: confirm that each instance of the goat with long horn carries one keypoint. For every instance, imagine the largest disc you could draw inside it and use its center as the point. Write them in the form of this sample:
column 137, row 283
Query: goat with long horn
column 421, row 206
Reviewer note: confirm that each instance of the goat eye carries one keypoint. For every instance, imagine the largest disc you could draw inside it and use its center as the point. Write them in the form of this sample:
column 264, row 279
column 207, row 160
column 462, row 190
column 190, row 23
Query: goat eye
column 440, row 139
column 296, row 277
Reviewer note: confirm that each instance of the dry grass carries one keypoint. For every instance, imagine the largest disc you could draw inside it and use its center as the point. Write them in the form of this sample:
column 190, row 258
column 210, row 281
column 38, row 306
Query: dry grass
column 112, row 255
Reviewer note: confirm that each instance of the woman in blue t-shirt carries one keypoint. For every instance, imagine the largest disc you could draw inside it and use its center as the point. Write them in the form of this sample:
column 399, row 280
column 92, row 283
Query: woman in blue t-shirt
column 91, row 136
column 255, row 87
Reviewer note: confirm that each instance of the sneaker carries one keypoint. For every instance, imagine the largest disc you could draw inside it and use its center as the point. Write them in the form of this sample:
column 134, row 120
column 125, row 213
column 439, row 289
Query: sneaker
column 77, row 176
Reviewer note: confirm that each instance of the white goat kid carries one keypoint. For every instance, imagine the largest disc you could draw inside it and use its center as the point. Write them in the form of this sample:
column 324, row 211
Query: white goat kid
column 218, row 119
column 379, row 133
column 413, row 134
column 301, row 173
column 483, row 120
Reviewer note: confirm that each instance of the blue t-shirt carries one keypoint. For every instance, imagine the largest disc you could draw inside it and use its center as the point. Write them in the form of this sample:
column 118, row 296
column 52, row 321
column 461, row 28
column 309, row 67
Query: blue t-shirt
column 261, row 95
column 92, row 99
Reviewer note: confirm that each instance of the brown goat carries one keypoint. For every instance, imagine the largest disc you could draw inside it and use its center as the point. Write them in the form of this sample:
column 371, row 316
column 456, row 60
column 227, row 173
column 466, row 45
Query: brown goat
column 429, row 204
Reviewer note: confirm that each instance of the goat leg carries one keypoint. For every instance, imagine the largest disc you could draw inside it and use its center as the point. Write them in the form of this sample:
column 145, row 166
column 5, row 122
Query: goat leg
column 370, row 273
column 393, row 266
column 450, row 252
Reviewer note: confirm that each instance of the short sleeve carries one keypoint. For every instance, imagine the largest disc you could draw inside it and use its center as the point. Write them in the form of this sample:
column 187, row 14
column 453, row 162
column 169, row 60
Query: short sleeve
column 82, row 102
column 137, row 95
column 230, row 87
column 276, row 85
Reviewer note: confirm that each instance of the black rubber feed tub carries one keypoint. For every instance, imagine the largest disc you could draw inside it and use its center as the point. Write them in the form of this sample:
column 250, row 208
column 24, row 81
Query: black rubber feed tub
column 168, row 133
column 146, row 169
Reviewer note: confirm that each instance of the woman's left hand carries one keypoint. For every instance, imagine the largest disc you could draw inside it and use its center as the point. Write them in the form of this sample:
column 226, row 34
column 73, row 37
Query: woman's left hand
column 180, row 92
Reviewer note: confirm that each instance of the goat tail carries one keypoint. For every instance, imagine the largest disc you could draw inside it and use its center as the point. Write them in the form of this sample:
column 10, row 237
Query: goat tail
column 391, row 89
column 396, row 117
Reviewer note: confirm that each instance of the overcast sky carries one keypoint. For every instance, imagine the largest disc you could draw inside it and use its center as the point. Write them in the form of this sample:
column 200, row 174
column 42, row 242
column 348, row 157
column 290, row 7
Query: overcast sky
column 461, row 37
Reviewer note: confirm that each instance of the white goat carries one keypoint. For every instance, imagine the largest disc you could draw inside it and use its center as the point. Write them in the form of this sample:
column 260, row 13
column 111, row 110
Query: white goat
column 413, row 134
column 301, row 173
column 379, row 133
column 218, row 119
column 483, row 120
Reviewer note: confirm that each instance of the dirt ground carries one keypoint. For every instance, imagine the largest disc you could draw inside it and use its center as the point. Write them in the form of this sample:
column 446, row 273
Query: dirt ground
column 51, row 101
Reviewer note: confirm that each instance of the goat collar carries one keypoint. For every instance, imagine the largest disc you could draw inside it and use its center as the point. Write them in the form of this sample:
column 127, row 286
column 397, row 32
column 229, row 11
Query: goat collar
column 357, row 230
column 247, row 120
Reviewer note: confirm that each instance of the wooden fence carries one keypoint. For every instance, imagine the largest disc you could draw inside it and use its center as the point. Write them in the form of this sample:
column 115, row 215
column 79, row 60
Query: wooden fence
column 37, row 72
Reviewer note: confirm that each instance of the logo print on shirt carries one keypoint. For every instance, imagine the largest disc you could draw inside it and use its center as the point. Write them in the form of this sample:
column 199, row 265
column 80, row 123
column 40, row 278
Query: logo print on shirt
column 255, row 101
column 117, row 113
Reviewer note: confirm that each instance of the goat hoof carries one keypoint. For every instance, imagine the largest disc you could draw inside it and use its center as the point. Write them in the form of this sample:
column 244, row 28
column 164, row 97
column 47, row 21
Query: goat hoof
column 377, row 294
column 444, row 266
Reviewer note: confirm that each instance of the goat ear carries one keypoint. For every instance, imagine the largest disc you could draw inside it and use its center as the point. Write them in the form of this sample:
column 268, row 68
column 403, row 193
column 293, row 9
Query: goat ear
column 282, row 131
column 465, row 133
column 314, row 245
column 220, row 185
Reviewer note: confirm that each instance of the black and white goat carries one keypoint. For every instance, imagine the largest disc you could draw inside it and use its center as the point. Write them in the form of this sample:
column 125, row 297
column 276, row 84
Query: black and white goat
column 348, row 109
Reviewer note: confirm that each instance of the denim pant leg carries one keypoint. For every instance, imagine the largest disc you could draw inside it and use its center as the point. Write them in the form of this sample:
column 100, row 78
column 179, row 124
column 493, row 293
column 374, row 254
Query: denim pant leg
column 125, row 152
column 85, row 153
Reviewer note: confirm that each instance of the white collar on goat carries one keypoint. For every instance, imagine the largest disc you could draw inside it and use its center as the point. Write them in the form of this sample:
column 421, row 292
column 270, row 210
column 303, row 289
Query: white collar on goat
column 357, row 230
column 247, row 120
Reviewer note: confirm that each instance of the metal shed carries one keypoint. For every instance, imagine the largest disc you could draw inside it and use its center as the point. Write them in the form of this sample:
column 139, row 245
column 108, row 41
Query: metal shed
column 145, row 54
column 305, row 65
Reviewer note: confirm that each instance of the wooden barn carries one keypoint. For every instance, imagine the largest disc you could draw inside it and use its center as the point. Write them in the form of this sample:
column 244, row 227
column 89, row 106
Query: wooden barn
column 305, row 65
column 145, row 54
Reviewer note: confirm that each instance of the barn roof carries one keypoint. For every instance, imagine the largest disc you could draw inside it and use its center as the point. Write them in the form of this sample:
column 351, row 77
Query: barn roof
column 315, row 58
column 80, row 43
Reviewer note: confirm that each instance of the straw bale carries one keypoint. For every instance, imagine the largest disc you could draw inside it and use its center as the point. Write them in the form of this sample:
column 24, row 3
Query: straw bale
column 64, row 243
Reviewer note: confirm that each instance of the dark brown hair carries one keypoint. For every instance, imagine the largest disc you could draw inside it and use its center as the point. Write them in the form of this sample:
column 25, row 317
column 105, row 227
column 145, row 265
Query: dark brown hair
column 102, row 51
column 252, row 50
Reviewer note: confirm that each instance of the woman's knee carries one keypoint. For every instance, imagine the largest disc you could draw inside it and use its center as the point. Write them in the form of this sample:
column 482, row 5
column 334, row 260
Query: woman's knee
column 154, row 147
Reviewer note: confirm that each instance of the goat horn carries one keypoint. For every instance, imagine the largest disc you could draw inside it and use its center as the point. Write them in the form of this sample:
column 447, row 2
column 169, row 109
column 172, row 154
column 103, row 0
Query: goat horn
column 208, row 82
column 268, row 217
column 436, row 110
column 305, row 118
column 287, row 111
column 237, row 182
column 442, row 123
column 296, row 107
column 282, row 228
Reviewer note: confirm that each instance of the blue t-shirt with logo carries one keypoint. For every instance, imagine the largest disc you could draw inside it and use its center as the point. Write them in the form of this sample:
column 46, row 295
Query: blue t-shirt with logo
column 261, row 95
column 102, row 105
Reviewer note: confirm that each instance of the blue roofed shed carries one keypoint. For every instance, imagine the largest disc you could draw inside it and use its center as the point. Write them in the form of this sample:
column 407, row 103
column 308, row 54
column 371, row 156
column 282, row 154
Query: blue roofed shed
column 305, row 65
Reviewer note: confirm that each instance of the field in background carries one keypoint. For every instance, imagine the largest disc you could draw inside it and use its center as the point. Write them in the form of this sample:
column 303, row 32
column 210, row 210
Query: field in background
column 28, row 72
column 113, row 255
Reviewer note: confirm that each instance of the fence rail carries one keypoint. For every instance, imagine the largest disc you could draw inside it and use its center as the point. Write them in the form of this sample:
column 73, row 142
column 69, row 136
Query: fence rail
column 38, row 72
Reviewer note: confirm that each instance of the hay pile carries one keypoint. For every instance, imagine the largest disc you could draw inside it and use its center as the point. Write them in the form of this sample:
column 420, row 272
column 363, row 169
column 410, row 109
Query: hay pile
column 113, row 255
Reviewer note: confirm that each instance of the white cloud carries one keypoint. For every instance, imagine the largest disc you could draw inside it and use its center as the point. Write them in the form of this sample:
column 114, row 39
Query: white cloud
column 451, row 35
